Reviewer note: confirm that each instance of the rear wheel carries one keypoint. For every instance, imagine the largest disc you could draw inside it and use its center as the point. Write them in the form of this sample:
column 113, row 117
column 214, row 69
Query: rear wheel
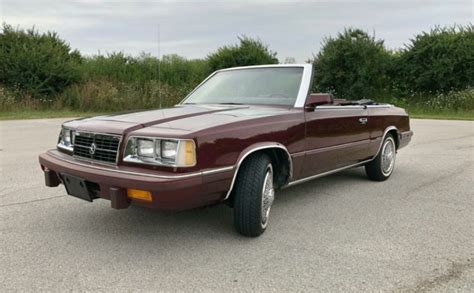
column 380, row 168
column 253, row 195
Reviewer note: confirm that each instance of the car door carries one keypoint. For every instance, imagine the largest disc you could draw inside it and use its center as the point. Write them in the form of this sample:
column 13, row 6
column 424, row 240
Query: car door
column 336, row 136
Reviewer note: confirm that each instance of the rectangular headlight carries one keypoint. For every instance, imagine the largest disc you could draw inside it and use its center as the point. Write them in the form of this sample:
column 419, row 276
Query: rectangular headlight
column 158, row 151
column 66, row 135
column 66, row 139
column 169, row 149
column 146, row 147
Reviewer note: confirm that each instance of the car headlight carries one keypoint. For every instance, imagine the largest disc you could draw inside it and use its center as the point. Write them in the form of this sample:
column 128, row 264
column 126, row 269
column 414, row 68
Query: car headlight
column 169, row 149
column 146, row 148
column 160, row 151
column 66, row 139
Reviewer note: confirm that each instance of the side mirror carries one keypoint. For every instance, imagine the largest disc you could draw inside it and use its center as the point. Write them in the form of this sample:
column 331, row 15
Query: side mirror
column 315, row 100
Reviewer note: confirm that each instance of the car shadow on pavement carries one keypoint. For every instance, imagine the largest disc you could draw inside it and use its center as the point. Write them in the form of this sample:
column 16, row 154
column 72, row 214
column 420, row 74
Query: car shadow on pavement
column 197, row 227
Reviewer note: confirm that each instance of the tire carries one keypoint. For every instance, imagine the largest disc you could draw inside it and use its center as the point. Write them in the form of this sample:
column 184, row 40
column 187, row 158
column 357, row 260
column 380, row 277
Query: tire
column 379, row 169
column 253, row 195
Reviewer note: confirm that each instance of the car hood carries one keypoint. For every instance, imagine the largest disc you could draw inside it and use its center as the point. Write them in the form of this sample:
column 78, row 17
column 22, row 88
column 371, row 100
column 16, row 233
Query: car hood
column 178, row 120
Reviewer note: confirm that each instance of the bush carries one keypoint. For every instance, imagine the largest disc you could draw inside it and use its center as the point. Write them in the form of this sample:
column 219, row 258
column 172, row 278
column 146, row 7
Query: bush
column 118, row 67
column 441, row 60
column 103, row 95
column 178, row 71
column 454, row 100
column 39, row 64
column 353, row 65
column 172, row 69
column 7, row 99
column 117, row 80
column 248, row 52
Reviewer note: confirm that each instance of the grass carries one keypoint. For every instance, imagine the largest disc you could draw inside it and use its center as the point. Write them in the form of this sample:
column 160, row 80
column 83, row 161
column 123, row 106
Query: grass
column 423, row 113
column 415, row 112
column 43, row 114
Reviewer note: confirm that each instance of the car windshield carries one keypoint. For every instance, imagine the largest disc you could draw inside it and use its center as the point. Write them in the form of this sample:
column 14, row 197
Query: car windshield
column 271, row 86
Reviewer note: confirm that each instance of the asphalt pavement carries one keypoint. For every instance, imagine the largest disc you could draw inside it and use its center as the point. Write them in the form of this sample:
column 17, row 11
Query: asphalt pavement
column 414, row 232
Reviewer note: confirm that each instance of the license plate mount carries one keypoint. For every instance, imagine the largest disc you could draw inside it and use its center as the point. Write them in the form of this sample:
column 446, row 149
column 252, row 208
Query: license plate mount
column 77, row 187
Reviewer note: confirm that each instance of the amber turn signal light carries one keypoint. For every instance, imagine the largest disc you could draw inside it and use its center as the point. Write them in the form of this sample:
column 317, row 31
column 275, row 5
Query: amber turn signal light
column 139, row 194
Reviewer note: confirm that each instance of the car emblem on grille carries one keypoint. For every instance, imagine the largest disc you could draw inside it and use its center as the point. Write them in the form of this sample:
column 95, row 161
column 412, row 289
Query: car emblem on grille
column 92, row 149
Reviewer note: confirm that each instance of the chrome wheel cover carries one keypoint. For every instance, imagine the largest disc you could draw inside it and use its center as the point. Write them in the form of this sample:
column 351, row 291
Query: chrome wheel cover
column 268, row 195
column 388, row 156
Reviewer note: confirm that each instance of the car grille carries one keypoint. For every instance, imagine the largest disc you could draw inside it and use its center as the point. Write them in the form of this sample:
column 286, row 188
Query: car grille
column 97, row 147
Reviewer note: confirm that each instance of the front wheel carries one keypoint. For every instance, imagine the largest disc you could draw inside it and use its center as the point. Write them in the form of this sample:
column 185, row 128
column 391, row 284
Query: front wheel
column 380, row 168
column 253, row 195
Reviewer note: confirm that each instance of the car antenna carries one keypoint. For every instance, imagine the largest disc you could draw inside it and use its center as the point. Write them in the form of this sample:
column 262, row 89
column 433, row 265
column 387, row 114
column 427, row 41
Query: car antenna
column 159, row 62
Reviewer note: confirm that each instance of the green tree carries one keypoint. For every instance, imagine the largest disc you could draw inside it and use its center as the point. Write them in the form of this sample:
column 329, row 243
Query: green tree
column 353, row 65
column 437, row 61
column 173, row 70
column 248, row 52
column 39, row 64
column 179, row 71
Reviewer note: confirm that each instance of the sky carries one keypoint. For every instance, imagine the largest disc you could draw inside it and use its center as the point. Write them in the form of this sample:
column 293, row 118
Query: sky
column 193, row 29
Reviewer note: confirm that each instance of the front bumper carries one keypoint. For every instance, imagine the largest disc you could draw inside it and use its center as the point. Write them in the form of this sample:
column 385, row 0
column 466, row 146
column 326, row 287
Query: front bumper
column 170, row 191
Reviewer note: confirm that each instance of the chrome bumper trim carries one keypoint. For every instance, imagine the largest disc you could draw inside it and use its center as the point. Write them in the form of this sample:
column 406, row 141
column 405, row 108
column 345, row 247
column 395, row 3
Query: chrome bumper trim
column 103, row 168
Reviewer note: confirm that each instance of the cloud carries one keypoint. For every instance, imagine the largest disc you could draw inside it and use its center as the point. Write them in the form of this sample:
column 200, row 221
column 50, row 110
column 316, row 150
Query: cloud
column 195, row 28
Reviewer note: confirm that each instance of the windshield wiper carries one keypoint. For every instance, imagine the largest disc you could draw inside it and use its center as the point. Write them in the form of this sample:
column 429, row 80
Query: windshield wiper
column 230, row 103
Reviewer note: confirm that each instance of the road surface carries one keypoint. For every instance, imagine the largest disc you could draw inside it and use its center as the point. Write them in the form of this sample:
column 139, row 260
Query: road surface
column 414, row 232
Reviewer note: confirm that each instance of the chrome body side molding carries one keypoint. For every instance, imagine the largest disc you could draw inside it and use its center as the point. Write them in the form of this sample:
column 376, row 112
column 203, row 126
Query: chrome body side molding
column 347, row 107
column 302, row 180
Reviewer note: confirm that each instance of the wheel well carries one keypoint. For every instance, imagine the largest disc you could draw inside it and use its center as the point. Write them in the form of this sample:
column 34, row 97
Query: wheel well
column 395, row 136
column 281, row 165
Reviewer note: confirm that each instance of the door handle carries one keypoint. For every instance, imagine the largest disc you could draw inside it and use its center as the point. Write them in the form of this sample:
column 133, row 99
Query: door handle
column 363, row 120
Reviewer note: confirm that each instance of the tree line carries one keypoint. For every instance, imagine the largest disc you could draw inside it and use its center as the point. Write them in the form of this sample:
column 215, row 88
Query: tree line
column 41, row 70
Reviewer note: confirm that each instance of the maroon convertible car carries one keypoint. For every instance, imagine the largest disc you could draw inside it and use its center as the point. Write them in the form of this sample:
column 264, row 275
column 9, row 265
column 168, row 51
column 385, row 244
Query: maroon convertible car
column 241, row 134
